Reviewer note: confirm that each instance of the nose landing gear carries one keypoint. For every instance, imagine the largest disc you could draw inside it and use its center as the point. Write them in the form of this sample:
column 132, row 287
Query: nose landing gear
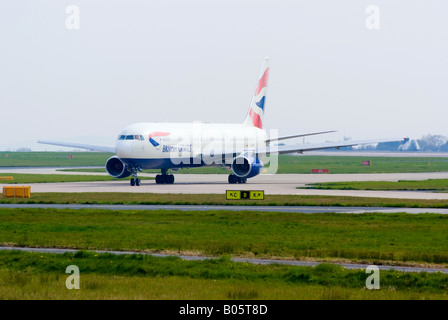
column 135, row 181
column 163, row 178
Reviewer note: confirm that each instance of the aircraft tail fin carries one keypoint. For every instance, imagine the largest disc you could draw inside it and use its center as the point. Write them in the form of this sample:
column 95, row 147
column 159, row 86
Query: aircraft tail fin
column 255, row 115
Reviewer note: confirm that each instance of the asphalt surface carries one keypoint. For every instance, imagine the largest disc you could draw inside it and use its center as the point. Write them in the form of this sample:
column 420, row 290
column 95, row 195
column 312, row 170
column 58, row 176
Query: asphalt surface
column 293, row 209
column 217, row 184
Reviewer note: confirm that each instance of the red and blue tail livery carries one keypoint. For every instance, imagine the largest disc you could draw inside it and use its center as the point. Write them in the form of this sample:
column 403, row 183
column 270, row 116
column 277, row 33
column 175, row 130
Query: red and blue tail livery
column 256, row 109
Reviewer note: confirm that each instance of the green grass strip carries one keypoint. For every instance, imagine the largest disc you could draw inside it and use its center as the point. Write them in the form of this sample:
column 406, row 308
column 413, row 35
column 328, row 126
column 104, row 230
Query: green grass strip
column 21, row 178
column 286, row 163
column 53, row 159
column 219, row 199
column 373, row 237
column 335, row 164
column 42, row 276
column 440, row 185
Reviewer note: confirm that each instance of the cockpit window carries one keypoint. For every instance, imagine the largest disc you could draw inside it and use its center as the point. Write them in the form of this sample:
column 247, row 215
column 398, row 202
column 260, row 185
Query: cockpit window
column 131, row 137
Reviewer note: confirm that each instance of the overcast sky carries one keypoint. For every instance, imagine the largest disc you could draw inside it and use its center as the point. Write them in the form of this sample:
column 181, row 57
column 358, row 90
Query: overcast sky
column 182, row 61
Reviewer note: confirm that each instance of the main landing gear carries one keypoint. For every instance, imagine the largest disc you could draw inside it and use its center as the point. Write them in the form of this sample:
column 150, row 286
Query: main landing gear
column 164, row 178
column 235, row 179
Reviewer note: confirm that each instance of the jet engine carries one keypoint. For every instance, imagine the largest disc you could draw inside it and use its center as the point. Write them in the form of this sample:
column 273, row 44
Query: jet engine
column 117, row 168
column 245, row 166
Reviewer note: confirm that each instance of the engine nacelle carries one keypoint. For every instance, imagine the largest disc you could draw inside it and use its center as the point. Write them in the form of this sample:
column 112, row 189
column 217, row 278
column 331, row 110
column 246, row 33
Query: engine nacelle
column 117, row 168
column 246, row 166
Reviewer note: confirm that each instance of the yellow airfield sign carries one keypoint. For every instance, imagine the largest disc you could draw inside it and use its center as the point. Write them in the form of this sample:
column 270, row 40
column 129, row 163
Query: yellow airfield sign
column 244, row 194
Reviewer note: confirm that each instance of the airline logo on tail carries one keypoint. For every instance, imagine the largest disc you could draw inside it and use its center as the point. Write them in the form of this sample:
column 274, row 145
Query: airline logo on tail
column 156, row 134
column 256, row 110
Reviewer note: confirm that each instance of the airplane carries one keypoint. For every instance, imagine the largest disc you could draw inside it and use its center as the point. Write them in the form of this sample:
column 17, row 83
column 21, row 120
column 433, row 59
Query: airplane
column 240, row 146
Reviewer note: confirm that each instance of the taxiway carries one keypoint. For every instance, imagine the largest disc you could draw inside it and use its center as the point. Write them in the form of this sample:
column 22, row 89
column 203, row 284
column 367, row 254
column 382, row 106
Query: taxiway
column 217, row 184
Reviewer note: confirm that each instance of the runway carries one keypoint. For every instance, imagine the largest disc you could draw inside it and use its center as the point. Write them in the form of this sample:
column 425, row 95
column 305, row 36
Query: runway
column 286, row 184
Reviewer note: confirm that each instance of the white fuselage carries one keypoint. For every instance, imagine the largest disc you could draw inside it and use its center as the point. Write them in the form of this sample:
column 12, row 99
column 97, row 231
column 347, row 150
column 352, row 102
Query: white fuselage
column 165, row 145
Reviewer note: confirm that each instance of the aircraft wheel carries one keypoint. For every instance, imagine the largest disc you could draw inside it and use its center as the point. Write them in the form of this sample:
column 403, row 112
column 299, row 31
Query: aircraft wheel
column 159, row 179
column 169, row 179
column 137, row 181
column 132, row 182
column 232, row 178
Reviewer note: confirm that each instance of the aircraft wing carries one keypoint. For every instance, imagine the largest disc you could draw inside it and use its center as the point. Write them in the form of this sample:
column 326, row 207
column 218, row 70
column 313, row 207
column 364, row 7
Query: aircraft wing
column 79, row 145
column 300, row 148
column 298, row 135
column 284, row 149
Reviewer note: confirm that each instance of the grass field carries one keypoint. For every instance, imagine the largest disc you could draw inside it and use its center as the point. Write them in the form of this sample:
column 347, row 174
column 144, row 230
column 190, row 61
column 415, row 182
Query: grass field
column 21, row 178
column 287, row 163
column 104, row 276
column 368, row 238
column 353, row 164
column 376, row 238
column 52, row 159
column 439, row 185
column 335, row 164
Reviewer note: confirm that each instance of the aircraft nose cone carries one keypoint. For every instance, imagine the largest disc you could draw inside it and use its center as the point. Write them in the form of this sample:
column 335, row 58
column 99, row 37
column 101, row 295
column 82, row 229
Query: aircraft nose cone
column 124, row 149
